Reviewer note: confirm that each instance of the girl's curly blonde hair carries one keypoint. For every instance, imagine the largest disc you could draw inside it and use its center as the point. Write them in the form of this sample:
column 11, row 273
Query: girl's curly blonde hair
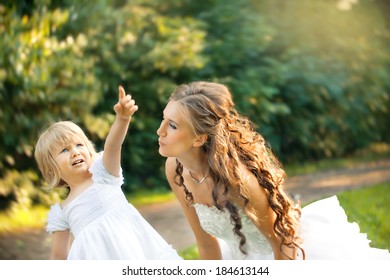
column 232, row 140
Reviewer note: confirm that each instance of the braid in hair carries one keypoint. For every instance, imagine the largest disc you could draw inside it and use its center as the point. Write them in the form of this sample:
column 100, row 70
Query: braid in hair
column 179, row 180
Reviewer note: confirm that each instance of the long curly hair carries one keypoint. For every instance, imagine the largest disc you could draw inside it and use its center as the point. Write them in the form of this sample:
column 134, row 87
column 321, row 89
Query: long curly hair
column 232, row 139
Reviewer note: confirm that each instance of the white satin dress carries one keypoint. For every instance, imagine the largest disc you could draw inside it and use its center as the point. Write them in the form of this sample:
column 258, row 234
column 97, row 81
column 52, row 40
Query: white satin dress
column 326, row 232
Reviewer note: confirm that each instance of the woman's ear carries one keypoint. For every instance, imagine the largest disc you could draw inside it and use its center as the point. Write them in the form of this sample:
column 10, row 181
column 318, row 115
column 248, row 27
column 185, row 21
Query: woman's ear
column 200, row 140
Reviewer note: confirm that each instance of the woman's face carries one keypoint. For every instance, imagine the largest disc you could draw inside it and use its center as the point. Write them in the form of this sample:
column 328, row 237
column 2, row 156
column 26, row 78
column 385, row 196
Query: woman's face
column 176, row 136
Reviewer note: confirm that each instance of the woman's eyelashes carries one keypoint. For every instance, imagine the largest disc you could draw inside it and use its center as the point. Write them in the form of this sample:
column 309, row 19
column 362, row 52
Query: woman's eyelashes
column 172, row 125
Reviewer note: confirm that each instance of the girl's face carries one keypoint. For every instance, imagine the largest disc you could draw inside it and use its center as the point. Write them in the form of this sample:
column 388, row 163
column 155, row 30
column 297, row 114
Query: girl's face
column 176, row 136
column 73, row 158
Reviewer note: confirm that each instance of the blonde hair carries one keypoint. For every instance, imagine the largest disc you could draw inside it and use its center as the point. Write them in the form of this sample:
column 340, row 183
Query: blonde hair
column 56, row 135
column 231, row 140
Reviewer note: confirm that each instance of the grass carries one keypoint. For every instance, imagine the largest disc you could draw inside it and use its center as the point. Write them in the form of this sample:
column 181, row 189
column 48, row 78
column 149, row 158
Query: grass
column 190, row 253
column 144, row 198
column 369, row 207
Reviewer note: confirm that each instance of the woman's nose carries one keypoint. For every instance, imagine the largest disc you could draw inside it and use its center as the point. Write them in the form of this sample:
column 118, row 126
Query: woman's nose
column 160, row 129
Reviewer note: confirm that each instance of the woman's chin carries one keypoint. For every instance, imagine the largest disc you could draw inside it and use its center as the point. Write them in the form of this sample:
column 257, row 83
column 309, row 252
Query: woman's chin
column 161, row 152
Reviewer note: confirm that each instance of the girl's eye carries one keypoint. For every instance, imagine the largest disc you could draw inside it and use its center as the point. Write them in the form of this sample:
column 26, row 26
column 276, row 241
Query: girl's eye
column 79, row 145
column 63, row 151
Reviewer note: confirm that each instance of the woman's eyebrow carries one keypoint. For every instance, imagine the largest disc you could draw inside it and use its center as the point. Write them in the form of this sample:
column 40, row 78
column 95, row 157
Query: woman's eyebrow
column 169, row 118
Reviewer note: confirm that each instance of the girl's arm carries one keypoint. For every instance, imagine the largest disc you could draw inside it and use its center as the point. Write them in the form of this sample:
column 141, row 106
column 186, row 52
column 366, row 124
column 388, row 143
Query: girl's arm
column 124, row 110
column 61, row 241
column 208, row 245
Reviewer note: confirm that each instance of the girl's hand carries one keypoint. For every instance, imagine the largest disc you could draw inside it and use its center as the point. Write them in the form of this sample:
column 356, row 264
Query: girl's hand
column 125, row 107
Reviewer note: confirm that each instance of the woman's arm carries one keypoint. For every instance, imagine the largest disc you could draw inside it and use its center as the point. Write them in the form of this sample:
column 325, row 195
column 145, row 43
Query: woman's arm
column 124, row 110
column 265, row 217
column 208, row 245
column 61, row 241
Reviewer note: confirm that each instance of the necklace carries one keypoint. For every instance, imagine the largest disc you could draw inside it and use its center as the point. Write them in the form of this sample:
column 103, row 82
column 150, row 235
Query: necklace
column 201, row 180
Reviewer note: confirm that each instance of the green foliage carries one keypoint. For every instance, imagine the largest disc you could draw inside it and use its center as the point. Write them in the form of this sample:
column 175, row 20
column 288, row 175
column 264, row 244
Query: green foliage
column 43, row 79
column 332, row 78
column 314, row 78
column 20, row 218
column 19, row 188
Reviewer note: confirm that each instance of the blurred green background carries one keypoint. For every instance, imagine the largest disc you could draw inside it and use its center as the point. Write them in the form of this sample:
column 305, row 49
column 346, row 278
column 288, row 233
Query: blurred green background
column 314, row 75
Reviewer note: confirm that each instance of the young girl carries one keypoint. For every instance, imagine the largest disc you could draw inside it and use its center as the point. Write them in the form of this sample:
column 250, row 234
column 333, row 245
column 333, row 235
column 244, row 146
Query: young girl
column 95, row 221
column 230, row 187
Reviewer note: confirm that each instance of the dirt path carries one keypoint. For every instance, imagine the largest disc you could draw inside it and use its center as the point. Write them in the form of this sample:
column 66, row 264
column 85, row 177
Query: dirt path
column 169, row 221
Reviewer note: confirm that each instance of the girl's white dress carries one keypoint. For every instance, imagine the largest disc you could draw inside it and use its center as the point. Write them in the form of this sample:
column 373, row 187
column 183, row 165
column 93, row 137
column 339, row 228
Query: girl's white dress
column 326, row 232
column 105, row 226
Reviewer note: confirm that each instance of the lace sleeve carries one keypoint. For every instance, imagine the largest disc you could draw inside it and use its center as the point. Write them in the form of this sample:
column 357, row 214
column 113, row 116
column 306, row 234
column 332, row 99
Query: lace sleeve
column 56, row 220
column 101, row 175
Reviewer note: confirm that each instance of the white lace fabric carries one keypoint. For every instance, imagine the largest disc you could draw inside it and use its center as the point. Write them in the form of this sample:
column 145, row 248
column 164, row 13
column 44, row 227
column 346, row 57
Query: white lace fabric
column 217, row 223
column 327, row 234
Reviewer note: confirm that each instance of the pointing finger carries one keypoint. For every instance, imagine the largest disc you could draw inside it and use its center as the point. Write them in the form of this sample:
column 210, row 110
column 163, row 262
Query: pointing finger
column 122, row 93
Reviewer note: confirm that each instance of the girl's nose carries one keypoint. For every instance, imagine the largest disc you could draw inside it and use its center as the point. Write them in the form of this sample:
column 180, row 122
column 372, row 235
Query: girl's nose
column 75, row 152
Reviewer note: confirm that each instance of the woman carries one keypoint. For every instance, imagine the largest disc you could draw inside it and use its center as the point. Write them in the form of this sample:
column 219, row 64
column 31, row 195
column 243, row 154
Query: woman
column 230, row 185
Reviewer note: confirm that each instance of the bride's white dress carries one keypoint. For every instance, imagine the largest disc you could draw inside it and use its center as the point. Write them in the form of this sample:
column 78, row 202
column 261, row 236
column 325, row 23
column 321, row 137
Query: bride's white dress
column 326, row 232
column 105, row 226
